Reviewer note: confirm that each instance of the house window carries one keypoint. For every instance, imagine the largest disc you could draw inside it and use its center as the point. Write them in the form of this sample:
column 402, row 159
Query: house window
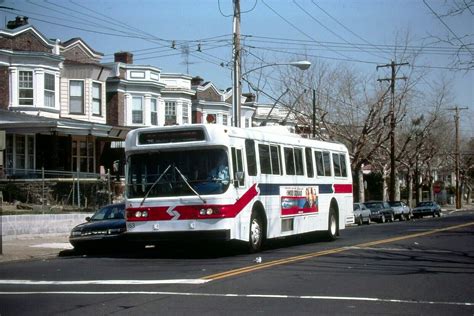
column 49, row 90
column 25, row 84
column 137, row 110
column 154, row 112
column 96, row 98
column 20, row 153
column 76, row 97
column 225, row 120
column 82, row 155
column 170, row 113
column 185, row 114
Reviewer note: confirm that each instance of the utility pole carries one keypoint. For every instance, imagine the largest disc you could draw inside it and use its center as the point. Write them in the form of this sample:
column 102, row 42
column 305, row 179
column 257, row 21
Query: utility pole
column 393, row 123
column 314, row 113
column 456, row 163
column 237, row 58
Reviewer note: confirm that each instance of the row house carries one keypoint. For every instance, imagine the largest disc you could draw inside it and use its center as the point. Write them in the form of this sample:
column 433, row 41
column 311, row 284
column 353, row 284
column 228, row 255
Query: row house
column 213, row 106
column 62, row 109
column 52, row 102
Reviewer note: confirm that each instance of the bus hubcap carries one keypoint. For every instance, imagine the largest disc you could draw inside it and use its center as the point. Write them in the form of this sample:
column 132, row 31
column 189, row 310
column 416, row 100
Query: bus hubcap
column 255, row 232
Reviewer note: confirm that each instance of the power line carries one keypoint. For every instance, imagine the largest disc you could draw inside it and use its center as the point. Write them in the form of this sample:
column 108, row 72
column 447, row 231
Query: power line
column 301, row 31
column 329, row 30
column 346, row 28
column 447, row 27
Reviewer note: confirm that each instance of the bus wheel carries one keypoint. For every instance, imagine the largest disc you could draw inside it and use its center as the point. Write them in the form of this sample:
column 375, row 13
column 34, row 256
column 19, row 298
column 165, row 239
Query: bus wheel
column 256, row 233
column 332, row 225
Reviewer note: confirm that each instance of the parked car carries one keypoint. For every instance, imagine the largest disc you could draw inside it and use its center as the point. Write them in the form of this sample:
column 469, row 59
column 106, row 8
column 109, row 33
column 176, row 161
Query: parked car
column 380, row 211
column 401, row 210
column 361, row 214
column 104, row 228
column 427, row 208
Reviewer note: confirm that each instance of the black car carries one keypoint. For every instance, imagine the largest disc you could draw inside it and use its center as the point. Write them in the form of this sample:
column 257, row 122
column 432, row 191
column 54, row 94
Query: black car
column 380, row 211
column 104, row 228
column 427, row 208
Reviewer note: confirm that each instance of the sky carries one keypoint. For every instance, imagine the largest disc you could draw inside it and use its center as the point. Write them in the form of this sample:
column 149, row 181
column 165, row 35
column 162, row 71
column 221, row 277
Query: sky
column 195, row 37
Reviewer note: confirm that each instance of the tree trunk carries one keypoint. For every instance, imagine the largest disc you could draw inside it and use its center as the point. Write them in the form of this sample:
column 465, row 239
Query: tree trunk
column 361, row 186
column 410, row 188
column 385, row 184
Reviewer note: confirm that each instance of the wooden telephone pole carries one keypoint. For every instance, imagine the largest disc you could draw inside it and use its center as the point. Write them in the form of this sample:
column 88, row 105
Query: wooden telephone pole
column 393, row 124
column 456, row 163
column 237, row 59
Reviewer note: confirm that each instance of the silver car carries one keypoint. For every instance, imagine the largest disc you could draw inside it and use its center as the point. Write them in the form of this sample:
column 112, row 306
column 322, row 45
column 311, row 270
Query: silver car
column 401, row 210
column 361, row 214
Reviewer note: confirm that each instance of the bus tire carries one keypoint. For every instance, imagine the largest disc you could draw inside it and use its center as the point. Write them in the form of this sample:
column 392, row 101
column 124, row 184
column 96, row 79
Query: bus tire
column 256, row 233
column 331, row 233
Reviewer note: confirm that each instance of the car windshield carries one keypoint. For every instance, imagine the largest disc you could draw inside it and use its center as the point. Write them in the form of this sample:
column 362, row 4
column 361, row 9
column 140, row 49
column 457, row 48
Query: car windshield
column 425, row 204
column 395, row 203
column 373, row 206
column 158, row 174
column 109, row 212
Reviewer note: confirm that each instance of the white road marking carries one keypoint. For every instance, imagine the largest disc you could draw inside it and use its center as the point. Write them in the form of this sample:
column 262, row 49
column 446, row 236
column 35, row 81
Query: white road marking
column 54, row 245
column 107, row 282
column 303, row 297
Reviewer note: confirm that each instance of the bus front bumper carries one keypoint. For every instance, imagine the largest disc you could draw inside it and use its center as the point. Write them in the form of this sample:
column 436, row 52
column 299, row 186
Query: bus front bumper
column 179, row 236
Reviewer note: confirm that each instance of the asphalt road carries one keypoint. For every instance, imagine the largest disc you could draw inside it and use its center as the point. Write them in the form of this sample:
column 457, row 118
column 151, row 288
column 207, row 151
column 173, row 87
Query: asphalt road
column 419, row 267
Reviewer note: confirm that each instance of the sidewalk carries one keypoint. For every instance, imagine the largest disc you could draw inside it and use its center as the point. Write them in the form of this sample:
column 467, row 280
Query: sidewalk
column 34, row 247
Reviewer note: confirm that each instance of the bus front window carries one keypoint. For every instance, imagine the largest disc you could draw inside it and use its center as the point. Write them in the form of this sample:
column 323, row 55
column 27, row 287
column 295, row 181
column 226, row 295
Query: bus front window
column 206, row 171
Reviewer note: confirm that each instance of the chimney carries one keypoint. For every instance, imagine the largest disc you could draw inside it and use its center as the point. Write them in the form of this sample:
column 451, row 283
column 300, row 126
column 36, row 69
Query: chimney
column 197, row 81
column 19, row 21
column 250, row 97
column 124, row 57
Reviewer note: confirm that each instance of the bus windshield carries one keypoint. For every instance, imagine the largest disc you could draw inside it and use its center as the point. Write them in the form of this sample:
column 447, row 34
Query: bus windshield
column 157, row 174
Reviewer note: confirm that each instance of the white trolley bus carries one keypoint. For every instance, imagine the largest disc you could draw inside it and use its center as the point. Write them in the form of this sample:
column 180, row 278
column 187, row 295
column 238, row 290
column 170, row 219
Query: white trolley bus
column 213, row 182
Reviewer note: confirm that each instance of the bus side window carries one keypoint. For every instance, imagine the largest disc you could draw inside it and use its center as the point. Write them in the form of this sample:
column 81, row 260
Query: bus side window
column 337, row 165
column 238, row 166
column 318, row 156
column 289, row 161
column 276, row 161
column 327, row 164
column 343, row 165
column 265, row 161
column 299, row 161
column 251, row 157
column 309, row 163
column 323, row 163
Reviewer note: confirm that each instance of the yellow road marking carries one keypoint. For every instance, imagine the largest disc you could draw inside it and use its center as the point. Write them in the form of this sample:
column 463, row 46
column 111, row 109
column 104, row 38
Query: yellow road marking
column 273, row 263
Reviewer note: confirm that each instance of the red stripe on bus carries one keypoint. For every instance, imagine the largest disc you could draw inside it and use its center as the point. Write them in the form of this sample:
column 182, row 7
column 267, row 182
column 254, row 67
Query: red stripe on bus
column 298, row 211
column 189, row 212
column 343, row 188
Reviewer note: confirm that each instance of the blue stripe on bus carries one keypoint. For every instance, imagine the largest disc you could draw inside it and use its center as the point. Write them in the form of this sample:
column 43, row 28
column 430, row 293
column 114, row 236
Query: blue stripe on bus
column 274, row 188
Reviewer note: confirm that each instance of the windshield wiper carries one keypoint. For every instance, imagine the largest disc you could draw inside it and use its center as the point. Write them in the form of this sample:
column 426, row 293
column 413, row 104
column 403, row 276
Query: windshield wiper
column 153, row 185
column 189, row 186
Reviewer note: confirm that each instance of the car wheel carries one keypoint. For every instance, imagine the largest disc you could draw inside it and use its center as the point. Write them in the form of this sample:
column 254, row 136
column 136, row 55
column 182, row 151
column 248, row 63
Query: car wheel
column 434, row 214
column 360, row 221
column 369, row 221
column 392, row 218
column 382, row 220
column 256, row 233
column 331, row 233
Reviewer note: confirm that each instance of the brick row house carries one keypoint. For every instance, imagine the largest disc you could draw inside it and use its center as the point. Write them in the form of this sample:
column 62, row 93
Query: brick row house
column 63, row 110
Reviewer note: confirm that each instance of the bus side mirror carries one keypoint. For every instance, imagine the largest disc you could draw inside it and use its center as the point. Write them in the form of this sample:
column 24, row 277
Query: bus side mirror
column 239, row 176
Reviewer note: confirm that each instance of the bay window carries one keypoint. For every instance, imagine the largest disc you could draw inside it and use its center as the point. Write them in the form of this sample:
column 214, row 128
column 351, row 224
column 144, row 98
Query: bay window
column 25, row 86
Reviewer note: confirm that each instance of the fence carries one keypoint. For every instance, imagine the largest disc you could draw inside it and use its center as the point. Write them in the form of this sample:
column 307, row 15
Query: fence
column 52, row 187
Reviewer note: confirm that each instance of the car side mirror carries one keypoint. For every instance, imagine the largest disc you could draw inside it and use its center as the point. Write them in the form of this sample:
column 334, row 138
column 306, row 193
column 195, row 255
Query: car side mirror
column 88, row 219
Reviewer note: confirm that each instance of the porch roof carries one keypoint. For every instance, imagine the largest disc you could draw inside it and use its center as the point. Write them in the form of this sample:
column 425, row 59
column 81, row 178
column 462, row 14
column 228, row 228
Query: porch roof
column 17, row 122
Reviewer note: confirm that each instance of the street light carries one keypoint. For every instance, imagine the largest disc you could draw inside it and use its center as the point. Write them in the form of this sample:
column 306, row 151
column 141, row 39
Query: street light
column 303, row 65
